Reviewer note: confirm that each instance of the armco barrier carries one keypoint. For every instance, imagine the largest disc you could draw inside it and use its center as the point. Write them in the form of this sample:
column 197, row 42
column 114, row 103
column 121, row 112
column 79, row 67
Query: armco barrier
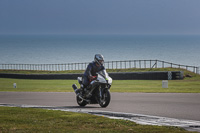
column 165, row 75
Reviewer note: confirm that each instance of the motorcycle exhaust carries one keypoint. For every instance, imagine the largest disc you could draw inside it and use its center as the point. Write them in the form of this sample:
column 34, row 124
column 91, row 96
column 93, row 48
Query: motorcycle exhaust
column 74, row 86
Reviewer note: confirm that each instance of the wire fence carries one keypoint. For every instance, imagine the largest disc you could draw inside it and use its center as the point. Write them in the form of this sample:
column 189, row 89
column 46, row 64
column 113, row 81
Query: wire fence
column 109, row 65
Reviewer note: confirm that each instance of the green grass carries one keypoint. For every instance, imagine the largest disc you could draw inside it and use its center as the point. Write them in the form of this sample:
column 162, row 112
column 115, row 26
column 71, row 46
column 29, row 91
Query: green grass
column 36, row 85
column 18, row 120
column 153, row 86
column 188, row 85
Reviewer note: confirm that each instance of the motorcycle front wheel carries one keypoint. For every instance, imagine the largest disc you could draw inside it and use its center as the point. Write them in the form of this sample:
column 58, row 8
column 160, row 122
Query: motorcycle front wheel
column 105, row 100
column 80, row 101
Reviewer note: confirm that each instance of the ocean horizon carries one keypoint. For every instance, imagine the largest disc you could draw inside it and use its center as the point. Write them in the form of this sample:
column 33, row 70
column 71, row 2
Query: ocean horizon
column 58, row 49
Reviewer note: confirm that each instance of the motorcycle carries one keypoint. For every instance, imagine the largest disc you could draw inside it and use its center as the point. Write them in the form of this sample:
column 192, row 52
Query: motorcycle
column 97, row 91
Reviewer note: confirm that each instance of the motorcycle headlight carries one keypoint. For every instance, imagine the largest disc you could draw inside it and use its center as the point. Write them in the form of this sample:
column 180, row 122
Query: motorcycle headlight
column 109, row 80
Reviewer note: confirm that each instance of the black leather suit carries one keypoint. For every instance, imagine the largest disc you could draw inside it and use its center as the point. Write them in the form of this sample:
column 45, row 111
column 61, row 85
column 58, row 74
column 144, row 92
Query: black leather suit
column 91, row 70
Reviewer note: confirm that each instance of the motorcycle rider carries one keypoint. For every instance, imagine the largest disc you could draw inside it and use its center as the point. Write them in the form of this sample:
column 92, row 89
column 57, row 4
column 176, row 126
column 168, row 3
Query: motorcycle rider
column 92, row 69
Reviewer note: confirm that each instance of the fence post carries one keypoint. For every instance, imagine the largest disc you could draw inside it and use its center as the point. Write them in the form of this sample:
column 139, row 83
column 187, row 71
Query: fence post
column 150, row 63
column 134, row 63
column 156, row 63
column 75, row 65
column 196, row 70
column 163, row 64
column 112, row 64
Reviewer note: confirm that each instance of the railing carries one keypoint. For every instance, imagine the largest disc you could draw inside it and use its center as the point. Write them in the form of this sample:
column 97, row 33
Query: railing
column 109, row 65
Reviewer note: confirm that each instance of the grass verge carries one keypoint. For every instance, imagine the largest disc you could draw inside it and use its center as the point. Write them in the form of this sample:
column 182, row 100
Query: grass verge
column 14, row 119
column 151, row 86
column 188, row 85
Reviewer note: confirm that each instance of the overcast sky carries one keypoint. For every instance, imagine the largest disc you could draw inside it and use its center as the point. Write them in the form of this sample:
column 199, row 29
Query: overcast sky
column 100, row 16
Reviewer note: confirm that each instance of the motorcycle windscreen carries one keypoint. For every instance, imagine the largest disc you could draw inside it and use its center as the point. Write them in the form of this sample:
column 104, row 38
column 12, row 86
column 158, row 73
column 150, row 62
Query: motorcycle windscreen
column 103, row 73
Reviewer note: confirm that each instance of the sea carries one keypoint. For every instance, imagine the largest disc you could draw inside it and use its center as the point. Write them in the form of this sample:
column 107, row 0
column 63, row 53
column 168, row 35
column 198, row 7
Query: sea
column 59, row 49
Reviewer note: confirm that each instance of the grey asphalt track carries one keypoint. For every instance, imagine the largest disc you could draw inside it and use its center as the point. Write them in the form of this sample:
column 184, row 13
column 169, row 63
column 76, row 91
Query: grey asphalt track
column 172, row 105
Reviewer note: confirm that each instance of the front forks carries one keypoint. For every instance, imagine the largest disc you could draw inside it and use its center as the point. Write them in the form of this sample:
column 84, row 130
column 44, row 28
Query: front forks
column 101, row 91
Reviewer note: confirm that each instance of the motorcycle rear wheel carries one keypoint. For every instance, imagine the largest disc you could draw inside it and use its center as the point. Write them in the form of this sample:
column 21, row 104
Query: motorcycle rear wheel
column 80, row 101
column 105, row 100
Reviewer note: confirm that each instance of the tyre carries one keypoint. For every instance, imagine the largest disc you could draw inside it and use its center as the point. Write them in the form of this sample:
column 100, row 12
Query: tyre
column 105, row 100
column 80, row 101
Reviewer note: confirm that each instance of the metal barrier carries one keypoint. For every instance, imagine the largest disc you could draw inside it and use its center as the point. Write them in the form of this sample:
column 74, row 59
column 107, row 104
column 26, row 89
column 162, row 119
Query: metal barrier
column 165, row 75
column 108, row 64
